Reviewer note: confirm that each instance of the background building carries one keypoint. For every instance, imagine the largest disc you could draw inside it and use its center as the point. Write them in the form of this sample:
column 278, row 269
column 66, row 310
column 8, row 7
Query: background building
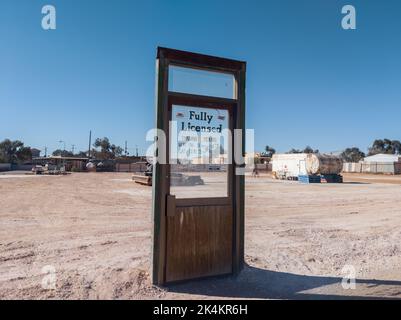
column 378, row 163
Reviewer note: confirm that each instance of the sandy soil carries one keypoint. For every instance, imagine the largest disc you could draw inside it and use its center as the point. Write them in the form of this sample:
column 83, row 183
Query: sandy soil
column 92, row 233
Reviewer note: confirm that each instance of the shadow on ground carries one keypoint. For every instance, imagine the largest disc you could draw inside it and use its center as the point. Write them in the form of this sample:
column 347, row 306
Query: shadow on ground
column 354, row 182
column 255, row 283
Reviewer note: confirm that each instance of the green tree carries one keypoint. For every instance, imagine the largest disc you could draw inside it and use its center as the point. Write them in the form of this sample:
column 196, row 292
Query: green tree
column 24, row 154
column 116, row 151
column 269, row 151
column 352, row 155
column 107, row 150
column 14, row 151
column 307, row 149
column 386, row 146
column 63, row 153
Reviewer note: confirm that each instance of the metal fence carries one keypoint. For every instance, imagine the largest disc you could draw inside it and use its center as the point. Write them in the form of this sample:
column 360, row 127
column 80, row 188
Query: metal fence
column 373, row 167
column 131, row 167
column 5, row 167
column 13, row 167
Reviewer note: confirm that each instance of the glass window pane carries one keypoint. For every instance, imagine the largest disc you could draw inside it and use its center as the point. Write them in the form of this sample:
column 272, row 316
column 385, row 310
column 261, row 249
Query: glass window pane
column 199, row 155
column 201, row 82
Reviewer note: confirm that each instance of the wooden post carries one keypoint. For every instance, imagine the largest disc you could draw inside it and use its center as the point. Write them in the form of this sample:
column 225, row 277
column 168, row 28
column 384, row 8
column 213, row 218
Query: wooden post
column 159, row 178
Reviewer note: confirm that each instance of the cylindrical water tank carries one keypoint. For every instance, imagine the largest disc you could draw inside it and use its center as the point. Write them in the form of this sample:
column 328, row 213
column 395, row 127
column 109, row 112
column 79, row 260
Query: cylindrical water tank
column 323, row 164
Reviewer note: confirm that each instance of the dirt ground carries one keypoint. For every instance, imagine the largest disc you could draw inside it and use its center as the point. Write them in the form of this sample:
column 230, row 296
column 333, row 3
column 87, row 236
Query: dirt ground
column 89, row 234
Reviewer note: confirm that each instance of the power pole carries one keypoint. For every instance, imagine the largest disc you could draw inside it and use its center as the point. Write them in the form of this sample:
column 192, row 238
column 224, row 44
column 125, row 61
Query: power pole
column 125, row 148
column 45, row 152
column 90, row 142
column 136, row 150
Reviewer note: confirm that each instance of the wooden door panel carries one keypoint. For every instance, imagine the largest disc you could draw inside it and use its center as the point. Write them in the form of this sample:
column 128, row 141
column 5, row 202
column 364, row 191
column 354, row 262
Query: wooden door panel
column 199, row 242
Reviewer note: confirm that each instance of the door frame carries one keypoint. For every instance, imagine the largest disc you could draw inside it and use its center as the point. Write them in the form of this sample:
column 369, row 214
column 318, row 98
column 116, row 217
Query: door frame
column 161, row 184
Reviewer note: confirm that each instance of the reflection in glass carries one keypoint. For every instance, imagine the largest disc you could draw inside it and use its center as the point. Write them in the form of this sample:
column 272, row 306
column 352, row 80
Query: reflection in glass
column 201, row 82
column 199, row 152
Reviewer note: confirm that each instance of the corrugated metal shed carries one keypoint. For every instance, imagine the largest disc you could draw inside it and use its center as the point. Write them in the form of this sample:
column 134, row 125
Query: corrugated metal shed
column 379, row 163
column 383, row 158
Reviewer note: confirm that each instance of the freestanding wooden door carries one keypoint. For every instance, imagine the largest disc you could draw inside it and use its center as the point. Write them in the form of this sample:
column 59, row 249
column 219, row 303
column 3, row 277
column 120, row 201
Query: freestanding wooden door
column 199, row 222
column 198, row 199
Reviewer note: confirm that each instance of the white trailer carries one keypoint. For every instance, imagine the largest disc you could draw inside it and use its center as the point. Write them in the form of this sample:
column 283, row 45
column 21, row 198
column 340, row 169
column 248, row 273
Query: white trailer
column 289, row 166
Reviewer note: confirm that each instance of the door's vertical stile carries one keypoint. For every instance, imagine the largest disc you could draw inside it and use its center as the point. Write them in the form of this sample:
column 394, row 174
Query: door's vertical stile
column 159, row 189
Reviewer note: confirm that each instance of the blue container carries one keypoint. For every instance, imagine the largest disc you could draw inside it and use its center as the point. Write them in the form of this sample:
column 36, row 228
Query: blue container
column 309, row 179
column 332, row 178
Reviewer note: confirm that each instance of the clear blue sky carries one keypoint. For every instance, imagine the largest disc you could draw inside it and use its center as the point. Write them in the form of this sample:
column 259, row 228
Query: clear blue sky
column 309, row 81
